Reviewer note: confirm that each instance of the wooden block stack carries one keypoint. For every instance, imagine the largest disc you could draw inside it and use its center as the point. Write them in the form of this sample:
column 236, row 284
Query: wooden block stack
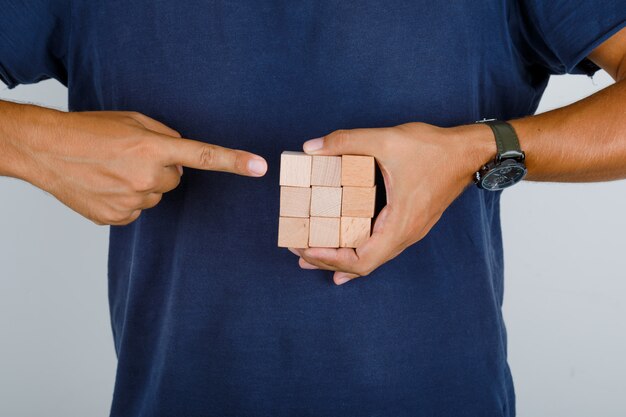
column 325, row 201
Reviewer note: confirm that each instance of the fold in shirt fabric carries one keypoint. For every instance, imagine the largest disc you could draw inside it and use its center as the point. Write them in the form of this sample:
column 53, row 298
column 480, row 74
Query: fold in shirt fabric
column 209, row 318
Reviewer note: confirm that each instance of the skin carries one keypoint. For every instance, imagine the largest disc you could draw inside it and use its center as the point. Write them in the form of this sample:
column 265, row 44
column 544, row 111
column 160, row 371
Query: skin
column 109, row 166
column 583, row 142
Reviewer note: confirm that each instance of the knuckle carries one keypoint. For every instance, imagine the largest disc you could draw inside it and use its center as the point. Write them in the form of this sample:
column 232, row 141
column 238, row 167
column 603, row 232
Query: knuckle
column 134, row 216
column 363, row 270
column 207, row 156
column 133, row 114
column 145, row 182
column 98, row 222
column 116, row 217
column 240, row 162
column 142, row 147
column 132, row 118
column 132, row 202
column 172, row 184
column 411, row 126
column 147, row 145
column 386, row 144
column 154, row 200
column 341, row 137
column 137, row 185
column 152, row 181
column 123, row 219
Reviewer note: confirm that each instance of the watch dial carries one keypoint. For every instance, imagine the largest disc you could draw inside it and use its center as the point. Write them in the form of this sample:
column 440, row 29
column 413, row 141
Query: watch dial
column 503, row 176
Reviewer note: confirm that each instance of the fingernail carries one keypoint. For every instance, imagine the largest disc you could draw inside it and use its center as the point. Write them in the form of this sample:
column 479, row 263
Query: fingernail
column 341, row 279
column 313, row 145
column 180, row 169
column 257, row 166
column 295, row 252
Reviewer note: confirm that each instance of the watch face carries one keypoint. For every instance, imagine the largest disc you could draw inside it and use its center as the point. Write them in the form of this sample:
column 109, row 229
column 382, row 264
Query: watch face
column 506, row 174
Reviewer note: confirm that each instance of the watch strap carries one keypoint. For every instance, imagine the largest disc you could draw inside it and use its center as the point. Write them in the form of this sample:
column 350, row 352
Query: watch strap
column 506, row 140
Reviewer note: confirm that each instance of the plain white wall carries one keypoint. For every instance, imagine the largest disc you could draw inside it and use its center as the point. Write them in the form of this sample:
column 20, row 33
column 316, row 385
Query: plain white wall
column 565, row 299
column 565, row 287
column 56, row 351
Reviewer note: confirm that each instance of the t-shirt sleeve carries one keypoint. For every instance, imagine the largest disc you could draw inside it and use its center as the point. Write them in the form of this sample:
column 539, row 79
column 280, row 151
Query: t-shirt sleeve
column 33, row 40
column 562, row 33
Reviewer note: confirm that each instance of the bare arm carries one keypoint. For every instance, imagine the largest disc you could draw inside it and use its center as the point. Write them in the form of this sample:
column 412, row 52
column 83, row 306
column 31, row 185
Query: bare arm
column 582, row 142
column 107, row 166
column 585, row 141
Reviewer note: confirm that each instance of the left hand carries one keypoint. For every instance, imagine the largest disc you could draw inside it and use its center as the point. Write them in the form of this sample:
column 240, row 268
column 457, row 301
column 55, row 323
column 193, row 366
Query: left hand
column 424, row 167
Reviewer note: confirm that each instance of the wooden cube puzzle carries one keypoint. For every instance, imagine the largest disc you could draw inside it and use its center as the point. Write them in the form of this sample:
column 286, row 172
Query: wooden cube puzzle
column 325, row 201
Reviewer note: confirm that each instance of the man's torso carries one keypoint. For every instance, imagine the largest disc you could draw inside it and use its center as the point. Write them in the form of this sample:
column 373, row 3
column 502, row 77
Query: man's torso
column 209, row 317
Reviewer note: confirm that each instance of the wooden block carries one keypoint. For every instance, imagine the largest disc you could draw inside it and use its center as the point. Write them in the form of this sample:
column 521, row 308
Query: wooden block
column 295, row 169
column 357, row 171
column 295, row 202
column 293, row 232
column 354, row 231
column 326, row 201
column 358, row 201
column 324, row 232
column 326, row 171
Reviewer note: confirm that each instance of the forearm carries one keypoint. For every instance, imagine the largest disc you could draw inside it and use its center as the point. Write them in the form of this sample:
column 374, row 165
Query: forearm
column 583, row 142
column 20, row 126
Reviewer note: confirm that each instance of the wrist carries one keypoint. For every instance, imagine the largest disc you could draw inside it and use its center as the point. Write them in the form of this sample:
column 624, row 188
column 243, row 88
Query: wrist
column 24, row 129
column 476, row 146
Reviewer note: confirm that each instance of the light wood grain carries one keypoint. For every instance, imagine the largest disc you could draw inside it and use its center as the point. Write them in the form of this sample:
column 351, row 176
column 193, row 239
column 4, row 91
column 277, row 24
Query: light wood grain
column 326, row 201
column 293, row 232
column 295, row 202
column 354, row 231
column 357, row 171
column 358, row 201
column 295, row 169
column 324, row 232
column 326, row 171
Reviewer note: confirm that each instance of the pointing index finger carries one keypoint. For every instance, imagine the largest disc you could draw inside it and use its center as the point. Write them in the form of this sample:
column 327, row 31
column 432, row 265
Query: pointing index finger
column 204, row 156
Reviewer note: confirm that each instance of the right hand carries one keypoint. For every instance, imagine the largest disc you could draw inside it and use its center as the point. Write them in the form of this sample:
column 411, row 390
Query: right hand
column 109, row 166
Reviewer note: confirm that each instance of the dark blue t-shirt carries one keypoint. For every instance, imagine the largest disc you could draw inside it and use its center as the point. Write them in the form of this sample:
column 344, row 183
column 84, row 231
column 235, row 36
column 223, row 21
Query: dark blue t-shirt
column 209, row 317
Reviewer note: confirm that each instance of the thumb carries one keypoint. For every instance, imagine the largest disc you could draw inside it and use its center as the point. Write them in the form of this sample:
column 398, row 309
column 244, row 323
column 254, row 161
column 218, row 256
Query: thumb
column 200, row 155
column 346, row 142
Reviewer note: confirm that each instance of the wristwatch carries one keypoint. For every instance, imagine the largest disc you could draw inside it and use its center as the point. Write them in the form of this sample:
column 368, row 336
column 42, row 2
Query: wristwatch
column 508, row 167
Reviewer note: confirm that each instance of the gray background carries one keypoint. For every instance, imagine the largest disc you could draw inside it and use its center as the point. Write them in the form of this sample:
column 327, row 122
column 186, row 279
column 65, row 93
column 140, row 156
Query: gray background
column 565, row 301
